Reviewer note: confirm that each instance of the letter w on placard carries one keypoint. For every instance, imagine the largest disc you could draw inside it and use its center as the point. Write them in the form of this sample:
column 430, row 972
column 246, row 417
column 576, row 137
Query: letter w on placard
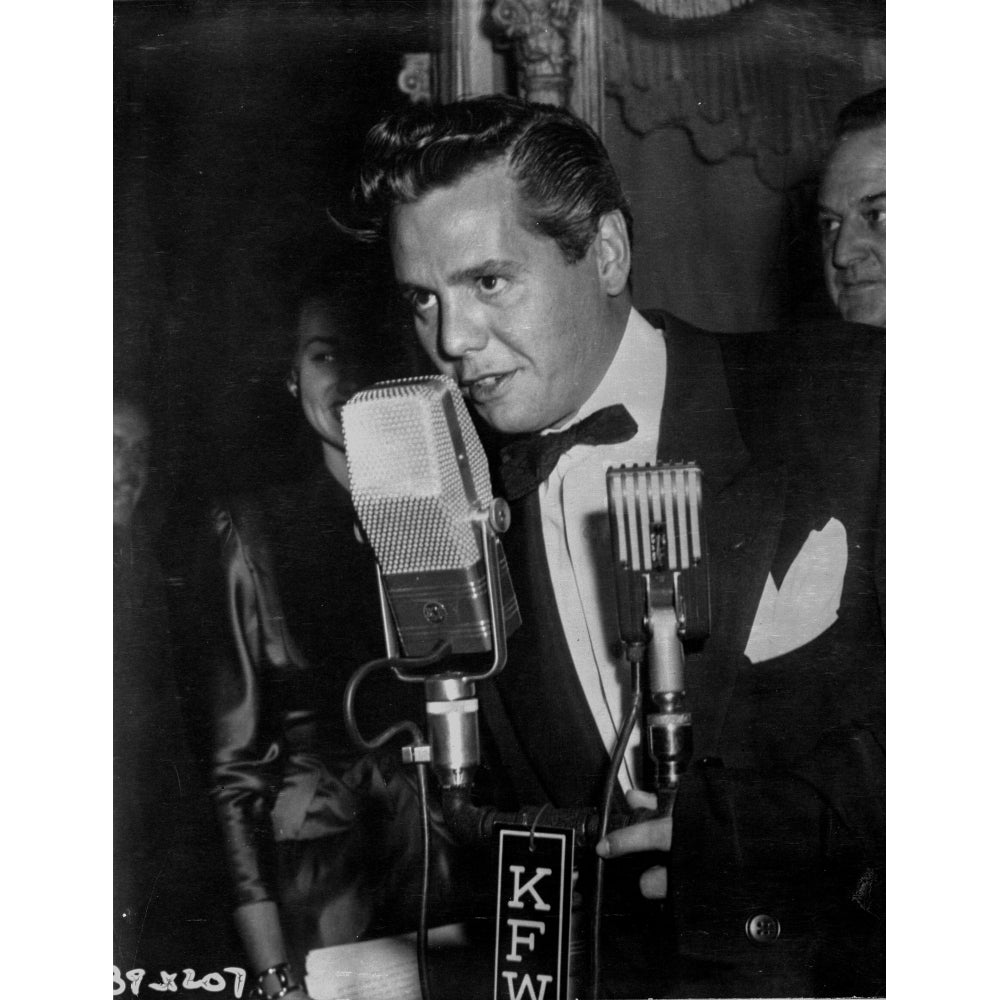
column 519, row 890
column 527, row 986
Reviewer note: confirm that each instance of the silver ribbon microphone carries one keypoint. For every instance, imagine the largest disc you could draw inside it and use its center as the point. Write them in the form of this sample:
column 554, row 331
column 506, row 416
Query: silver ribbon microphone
column 661, row 577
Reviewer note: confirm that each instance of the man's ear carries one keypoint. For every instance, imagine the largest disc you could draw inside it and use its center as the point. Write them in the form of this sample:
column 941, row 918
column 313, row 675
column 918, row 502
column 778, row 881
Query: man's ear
column 614, row 255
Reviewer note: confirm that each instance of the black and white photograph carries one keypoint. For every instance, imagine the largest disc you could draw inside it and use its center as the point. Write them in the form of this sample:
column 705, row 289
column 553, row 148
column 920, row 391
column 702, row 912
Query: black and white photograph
column 499, row 603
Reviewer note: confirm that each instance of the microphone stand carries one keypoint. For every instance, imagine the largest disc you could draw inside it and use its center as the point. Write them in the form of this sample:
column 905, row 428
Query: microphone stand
column 669, row 729
column 661, row 652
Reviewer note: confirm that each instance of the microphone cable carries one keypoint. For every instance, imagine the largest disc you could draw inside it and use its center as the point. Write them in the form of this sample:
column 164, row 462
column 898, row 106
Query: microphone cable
column 617, row 756
column 377, row 743
column 425, row 882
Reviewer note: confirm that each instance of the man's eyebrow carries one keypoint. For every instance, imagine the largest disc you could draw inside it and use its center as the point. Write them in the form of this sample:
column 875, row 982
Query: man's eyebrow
column 466, row 274
column 490, row 266
column 406, row 287
column 319, row 338
column 864, row 200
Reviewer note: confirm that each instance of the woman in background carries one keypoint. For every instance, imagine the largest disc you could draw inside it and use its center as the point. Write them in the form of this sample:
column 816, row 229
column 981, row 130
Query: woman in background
column 323, row 841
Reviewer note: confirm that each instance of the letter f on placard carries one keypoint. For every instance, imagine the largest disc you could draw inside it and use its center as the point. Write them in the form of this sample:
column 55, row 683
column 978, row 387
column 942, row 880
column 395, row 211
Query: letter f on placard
column 519, row 890
column 516, row 939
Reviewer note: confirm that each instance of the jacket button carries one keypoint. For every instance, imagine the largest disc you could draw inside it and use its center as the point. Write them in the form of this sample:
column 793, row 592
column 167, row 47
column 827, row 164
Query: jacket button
column 763, row 929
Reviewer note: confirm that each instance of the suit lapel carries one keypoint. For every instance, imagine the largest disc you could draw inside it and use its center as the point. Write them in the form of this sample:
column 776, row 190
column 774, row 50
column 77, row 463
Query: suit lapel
column 743, row 525
column 743, row 509
column 697, row 424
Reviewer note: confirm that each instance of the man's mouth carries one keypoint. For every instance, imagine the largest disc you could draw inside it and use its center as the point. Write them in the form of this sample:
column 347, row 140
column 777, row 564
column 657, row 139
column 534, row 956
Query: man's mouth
column 858, row 284
column 486, row 387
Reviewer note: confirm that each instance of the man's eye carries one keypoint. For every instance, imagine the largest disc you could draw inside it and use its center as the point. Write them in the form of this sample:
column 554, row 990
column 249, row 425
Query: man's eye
column 875, row 217
column 491, row 283
column 828, row 225
column 420, row 301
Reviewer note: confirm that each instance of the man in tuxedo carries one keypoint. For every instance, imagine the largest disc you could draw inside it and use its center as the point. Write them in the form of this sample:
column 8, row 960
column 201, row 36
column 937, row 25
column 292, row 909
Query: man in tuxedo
column 852, row 211
column 511, row 241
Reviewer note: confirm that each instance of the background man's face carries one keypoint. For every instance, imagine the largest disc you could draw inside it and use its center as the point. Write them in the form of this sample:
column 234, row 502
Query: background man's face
column 131, row 461
column 852, row 221
column 497, row 307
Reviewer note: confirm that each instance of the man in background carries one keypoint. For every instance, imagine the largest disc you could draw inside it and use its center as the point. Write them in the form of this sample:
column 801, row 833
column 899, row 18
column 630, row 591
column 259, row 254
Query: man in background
column 852, row 212
column 165, row 913
column 148, row 732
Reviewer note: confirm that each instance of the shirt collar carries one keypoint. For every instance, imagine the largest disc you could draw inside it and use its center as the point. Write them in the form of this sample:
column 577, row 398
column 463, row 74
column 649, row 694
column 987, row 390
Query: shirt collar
column 636, row 377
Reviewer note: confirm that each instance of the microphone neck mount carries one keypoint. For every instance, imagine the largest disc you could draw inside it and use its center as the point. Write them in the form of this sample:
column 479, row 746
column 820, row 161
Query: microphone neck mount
column 451, row 702
column 489, row 522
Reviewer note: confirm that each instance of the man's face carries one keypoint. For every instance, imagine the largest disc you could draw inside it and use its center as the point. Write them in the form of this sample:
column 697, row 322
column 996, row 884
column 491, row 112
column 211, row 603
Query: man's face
column 526, row 335
column 852, row 222
column 131, row 461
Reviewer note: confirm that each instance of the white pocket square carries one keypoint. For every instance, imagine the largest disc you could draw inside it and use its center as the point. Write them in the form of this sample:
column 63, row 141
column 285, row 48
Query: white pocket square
column 806, row 604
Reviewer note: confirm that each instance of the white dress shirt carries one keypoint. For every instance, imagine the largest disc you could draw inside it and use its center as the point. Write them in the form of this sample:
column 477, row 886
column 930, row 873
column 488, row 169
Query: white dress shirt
column 576, row 535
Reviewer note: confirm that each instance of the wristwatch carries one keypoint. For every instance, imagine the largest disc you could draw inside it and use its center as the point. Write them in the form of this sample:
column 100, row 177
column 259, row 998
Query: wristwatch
column 282, row 973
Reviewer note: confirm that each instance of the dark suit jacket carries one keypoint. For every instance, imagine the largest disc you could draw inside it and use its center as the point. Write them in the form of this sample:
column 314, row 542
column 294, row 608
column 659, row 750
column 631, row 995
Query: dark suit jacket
column 781, row 812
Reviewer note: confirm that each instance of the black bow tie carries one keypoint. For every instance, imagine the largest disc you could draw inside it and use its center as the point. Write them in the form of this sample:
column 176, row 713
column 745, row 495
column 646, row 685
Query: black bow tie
column 528, row 461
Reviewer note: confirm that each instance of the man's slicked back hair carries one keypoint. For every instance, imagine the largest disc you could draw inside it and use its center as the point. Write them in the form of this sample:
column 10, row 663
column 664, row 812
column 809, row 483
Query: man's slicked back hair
column 864, row 112
column 561, row 168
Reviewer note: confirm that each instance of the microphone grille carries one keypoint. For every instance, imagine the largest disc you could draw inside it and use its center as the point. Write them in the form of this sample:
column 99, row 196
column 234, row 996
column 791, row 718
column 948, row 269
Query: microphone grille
column 656, row 516
column 417, row 471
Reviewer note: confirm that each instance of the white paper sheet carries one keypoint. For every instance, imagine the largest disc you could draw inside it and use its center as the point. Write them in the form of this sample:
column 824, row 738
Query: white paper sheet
column 381, row 969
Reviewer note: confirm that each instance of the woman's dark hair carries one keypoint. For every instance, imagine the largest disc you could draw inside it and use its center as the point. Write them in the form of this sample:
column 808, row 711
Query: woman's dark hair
column 369, row 339
column 561, row 167
column 368, row 344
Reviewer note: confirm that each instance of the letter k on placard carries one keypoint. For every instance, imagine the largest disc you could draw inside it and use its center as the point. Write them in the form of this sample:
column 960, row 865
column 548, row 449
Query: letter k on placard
column 519, row 890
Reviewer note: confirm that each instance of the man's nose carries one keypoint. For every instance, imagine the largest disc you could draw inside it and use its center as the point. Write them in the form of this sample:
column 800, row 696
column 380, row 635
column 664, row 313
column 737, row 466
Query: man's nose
column 851, row 244
column 462, row 329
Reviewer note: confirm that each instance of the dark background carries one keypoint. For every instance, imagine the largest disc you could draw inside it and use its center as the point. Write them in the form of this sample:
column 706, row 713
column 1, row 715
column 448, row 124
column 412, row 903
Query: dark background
column 236, row 127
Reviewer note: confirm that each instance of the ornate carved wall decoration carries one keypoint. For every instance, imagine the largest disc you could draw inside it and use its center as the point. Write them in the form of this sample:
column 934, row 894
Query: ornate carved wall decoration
column 587, row 95
column 686, row 9
column 542, row 35
column 415, row 78
column 765, row 82
column 468, row 64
